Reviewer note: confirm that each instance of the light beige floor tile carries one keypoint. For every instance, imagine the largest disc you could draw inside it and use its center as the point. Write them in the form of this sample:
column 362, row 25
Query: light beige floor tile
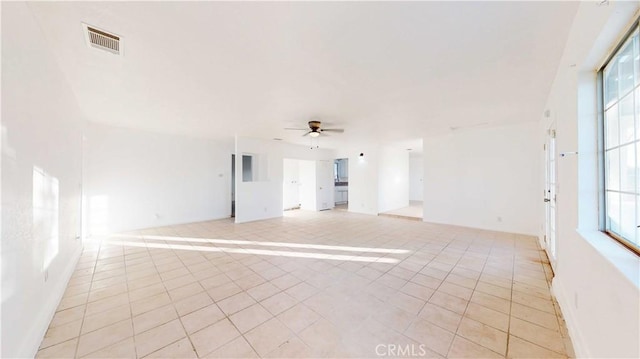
column 61, row 333
column 73, row 290
column 141, row 283
column 285, row 282
column 213, row 337
column 543, row 337
column 61, row 350
column 302, row 291
column 122, row 349
column 322, row 337
column 487, row 316
column 278, row 303
column 67, row 316
column 73, row 301
column 107, row 317
column 434, row 337
column 236, row 303
column 533, row 301
column 292, row 348
column 249, row 281
column 192, row 303
column 153, row 318
column 185, row 291
column 417, row 291
column 110, row 291
column 158, row 337
column 441, row 317
column 543, row 319
column 426, row 281
column 407, row 303
column 224, row 291
column 105, row 337
column 107, row 303
column 150, row 303
column 146, row 292
column 202, row 318
column 178, row 350
column 491, row 302
column 395, row 318
column 519, row 348
column 391, row 281
column 463, row 348
column 483, row 335
column 498, row 291
column 455, row 290
column 178, row 282
column 268, row 336
column 461, row 280
column 237, row 348
column 263, row 291
column 215, row 281
column 250, row 317
column 448, row 301
column 298, row 318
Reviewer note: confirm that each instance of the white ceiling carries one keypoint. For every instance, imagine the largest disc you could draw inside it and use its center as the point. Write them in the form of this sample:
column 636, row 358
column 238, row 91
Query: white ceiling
column 385, row 72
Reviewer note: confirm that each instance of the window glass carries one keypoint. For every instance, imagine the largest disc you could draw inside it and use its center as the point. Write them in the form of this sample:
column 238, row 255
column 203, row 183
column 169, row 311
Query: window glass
column 621, row 139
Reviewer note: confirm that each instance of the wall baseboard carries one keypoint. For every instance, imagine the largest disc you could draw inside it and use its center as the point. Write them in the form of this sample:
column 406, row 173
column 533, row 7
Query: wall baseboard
column 32, row 342
column 579, row 347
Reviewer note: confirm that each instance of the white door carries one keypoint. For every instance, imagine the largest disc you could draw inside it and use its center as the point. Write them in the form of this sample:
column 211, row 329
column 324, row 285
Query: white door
column 550, row 195
column 325, row 184
column 291, row 184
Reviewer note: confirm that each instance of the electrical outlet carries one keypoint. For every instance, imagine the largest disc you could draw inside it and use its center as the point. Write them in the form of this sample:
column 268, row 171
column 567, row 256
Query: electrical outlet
column 499, row 219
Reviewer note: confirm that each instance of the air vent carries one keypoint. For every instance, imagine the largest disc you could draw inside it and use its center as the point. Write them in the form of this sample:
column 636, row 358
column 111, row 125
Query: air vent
column 102, row 40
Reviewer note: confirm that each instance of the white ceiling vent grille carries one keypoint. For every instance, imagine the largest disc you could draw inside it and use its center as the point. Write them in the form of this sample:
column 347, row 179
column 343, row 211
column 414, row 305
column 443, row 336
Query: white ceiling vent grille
column 102, row 40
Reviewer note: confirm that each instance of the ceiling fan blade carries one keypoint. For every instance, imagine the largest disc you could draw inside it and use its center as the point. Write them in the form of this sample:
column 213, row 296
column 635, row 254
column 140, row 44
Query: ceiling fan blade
column 338, row 130
column 297, row 129
column 307, row 133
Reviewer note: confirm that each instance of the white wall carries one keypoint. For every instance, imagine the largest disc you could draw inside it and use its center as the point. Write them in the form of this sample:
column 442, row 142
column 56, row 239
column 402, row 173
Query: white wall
column 263, row 199
column 138, row 179
column 41, row 128
column 484, row 178
column 393, row 179
column 596, row 279
column 416, row 175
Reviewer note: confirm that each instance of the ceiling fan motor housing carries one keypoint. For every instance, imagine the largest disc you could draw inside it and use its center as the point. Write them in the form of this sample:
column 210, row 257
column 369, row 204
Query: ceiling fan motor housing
column 314, row 125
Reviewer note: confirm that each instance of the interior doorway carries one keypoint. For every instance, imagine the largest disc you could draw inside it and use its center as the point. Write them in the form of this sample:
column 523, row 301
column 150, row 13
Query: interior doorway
column 550, row 194
column 307, row 185
column 233, row 185
column 341, row 183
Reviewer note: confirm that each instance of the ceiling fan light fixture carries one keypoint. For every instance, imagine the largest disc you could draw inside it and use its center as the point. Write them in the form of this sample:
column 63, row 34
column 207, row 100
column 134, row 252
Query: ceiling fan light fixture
column 314, row 134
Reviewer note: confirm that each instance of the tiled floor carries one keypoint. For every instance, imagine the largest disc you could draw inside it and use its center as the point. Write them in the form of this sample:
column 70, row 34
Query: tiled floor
column 325, row 284
column 414, row 210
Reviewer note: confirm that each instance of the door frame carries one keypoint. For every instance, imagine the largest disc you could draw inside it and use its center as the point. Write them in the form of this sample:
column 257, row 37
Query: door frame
column 550, row 195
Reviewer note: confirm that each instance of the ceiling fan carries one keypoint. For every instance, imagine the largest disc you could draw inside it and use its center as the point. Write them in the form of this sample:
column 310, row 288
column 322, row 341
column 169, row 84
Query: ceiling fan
column 314, row 129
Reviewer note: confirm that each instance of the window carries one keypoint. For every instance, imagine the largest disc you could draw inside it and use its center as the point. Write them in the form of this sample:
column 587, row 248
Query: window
column 620, row 79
